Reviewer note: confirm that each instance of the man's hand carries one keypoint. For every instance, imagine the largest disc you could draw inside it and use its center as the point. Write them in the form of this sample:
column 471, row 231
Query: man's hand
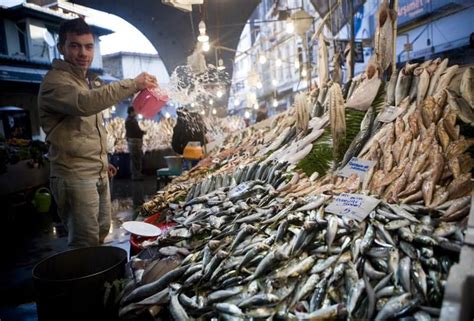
column 146, row 81
column 112, row 171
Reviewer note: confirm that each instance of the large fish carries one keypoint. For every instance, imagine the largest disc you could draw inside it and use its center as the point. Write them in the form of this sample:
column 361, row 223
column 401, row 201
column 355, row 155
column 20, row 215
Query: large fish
column 337, row 71
column 436, row 76
column 323, row 64
column 361, row 138
column 446, row 78
column 384, row 36
column 404, row 82
column 337, row 118
column 392, row 84
column 467, row 86
column 365, row 93
column 423, row 84
column 462, row 108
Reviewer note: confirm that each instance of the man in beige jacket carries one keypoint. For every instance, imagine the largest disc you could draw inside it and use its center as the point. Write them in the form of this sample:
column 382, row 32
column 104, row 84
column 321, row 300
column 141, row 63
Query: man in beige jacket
column 70, row 103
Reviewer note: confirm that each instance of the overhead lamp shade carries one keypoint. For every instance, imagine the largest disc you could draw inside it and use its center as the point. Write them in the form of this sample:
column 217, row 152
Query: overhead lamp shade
column 149, row 102
column 302, row 22
column 202, row 27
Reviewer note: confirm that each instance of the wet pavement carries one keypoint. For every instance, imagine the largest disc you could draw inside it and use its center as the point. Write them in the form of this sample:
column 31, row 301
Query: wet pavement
column 27, row 237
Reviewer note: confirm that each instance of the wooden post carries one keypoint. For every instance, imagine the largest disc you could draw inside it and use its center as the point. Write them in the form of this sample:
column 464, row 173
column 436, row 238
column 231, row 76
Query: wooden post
column 395, row 10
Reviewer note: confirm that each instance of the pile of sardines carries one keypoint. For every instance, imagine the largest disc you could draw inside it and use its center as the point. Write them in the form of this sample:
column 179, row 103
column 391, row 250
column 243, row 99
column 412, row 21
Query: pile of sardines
column 247, row 255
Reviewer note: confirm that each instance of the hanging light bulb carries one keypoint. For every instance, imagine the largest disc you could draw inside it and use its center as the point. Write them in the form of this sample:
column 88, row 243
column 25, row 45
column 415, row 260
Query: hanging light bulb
column 167, row 115
column 214, row 111
column 202, row 32
column 278, row 62
column 252, row 97
column 255, row 106
column 206, row 46
column 140, row 116
column 220, row 65
column 246, row 114
column 290, row 26
column 211, row 101
column 113, row 109
column 262, row 59
column 259, row 85
column 219, row 93
column 192, row 105
column 275, row 103
column 297, row 64
column 202, row 112
column 304, row 73
column 274, row 82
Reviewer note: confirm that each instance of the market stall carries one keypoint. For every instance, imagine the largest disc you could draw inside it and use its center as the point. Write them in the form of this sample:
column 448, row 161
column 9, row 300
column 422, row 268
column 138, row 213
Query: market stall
column 359, row 212
column 353, row 204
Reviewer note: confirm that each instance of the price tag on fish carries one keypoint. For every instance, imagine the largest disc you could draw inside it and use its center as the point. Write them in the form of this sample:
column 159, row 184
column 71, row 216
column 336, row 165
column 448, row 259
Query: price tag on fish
column 390, row 113
column 357, row 166
column 356, row 206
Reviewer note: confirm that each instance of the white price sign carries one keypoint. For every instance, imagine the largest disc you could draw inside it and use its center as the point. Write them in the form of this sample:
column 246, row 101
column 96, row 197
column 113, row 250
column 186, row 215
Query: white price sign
column 356, row 166
column 390, row 113
column 356, row 206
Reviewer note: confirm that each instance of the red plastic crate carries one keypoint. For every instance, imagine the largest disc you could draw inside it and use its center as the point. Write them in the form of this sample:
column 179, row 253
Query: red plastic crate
column 136, row 240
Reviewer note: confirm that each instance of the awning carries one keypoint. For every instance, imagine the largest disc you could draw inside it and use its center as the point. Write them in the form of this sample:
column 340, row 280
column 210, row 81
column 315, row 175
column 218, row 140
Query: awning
column 338, row 10
column 21, row 74
column 32, row 75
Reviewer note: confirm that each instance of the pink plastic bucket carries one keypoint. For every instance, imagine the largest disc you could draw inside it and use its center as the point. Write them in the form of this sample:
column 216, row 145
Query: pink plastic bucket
column 149, row 102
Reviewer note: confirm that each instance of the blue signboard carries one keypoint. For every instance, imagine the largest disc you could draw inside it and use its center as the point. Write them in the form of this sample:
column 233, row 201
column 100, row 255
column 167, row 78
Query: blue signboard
column 409, row 10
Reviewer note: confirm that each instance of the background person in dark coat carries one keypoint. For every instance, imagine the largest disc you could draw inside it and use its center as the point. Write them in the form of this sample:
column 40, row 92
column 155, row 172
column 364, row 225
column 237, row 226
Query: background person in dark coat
column 189, row 128
column 134, row 136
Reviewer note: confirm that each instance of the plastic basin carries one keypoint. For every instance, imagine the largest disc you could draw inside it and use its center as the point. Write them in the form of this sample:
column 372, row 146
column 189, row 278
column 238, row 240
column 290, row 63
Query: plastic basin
column 72, row 285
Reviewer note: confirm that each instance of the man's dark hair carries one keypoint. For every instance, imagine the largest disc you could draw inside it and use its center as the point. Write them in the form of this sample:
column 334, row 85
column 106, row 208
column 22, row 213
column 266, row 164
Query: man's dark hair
column 130, row 110
column 77, row 26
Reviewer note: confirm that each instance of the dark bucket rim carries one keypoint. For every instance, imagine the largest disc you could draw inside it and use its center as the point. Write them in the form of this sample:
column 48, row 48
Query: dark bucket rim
column 77, row 250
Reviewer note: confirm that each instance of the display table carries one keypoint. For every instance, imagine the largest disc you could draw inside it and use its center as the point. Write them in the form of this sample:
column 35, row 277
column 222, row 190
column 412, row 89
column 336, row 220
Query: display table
column 20, row 177
column 153, row 160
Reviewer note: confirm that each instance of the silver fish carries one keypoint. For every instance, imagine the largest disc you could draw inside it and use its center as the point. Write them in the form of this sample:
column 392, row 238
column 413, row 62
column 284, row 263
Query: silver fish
column 176, row 309
column 446, row 78
column 393, row 306
column 404, row 272
column 403, row 85
column 331, row 230
column 419, row 276
column 355, row 295
column 229, row 309
column 435, row 78
column 393, row 262
column 423, row 85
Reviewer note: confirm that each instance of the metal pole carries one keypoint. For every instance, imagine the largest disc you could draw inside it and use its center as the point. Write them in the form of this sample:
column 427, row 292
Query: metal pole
column 352, row 40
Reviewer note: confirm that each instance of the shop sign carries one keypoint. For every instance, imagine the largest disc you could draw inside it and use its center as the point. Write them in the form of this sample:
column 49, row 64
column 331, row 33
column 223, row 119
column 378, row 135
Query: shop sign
column 409, row 10
column 355, row 206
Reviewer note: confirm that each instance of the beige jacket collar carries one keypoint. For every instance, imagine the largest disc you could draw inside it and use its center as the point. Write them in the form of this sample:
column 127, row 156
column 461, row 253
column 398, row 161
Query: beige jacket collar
column 63, row 65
